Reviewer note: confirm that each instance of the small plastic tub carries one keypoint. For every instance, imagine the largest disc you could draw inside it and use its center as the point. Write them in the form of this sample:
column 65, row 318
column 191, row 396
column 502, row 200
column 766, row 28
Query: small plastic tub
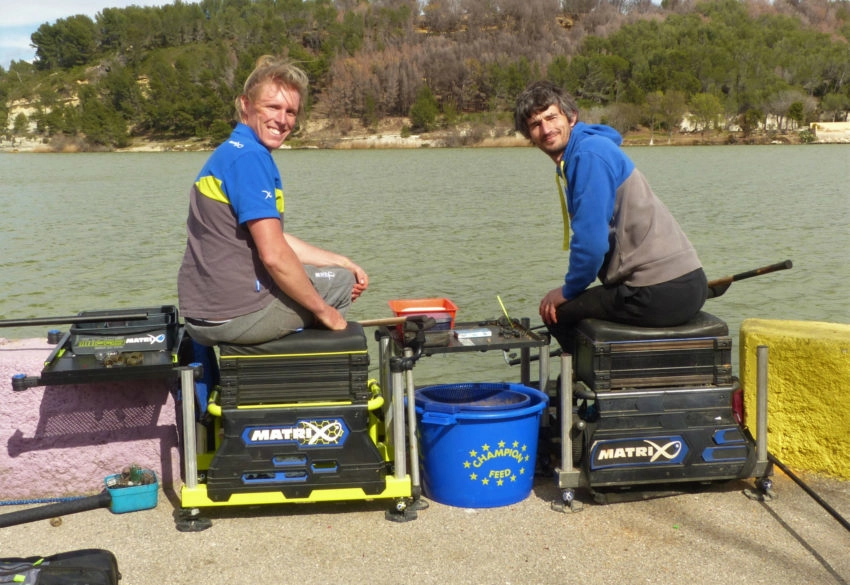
column 132, row 498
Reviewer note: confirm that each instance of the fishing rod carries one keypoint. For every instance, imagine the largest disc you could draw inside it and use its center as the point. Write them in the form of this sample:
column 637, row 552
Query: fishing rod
column 719, row 286
column 72, row 319
column 832, row 511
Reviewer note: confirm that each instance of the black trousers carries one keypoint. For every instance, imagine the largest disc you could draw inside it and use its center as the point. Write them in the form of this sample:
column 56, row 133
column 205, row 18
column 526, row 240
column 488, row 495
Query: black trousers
column 661, row 305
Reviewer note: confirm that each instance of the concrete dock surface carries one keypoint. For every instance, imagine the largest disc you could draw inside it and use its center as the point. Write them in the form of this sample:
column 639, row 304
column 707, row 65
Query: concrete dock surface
column 707, row 535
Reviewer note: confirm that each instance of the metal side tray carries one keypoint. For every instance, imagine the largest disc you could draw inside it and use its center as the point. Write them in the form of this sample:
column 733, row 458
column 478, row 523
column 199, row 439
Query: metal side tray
column 487, row 335
column 111, row 346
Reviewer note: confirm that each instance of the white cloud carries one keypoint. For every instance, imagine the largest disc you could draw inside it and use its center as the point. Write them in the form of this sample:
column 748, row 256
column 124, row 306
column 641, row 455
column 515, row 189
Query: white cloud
column 38, row 12
column 21, row 19
column 15, row 44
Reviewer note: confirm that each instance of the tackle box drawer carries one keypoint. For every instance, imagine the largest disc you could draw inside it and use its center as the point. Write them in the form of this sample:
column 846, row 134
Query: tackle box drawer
column 612, row 365
column 309, row 366
column 665, row 435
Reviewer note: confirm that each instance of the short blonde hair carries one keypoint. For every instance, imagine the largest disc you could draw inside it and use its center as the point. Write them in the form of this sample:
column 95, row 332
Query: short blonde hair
column 279, row 71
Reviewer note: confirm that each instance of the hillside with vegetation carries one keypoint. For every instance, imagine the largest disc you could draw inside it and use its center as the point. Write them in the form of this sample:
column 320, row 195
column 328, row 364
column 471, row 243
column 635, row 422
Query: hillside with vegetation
column 171, row 73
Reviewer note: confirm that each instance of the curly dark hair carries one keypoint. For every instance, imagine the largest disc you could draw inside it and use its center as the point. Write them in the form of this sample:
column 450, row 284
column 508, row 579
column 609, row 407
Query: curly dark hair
column 537, row 97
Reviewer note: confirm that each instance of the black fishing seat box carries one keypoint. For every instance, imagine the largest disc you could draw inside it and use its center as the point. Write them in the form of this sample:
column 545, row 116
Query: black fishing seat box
column 657, row 404
column 295, row 417
column 296, row 450
column 662, row 435
column 612, row 356
column 308, row 366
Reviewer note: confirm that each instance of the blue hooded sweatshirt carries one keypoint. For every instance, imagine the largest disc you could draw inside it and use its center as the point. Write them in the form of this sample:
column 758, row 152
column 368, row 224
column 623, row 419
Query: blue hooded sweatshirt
column 595, row 167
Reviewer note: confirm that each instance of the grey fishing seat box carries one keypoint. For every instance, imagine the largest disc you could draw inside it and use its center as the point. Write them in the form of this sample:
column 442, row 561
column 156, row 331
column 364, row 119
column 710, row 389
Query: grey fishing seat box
column 612, row 356
column 308, row 366
column 295, row 417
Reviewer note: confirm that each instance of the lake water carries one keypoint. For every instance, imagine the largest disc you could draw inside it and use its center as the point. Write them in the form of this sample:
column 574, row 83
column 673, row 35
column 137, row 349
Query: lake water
column 107, row 231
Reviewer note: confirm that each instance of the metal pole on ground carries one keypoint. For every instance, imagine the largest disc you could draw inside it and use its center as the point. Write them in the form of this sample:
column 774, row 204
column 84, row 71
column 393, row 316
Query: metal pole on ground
column 190, row 447
column 411, row 426
column 761, row 408
column 398, row 423
column 566, row 396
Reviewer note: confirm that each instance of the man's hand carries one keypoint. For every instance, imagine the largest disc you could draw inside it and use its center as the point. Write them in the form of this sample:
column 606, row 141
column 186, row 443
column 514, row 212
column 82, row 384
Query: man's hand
column 310, row 254
column 361, row 281
column 332, row 319
column 549, row 305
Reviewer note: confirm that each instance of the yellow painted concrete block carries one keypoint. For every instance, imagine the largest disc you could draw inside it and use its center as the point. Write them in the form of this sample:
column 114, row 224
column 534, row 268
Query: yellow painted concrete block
column 808, row 391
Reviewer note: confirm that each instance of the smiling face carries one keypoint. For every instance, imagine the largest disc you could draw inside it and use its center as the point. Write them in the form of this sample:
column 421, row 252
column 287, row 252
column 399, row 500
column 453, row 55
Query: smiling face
column 271, row 112
column 550, row 129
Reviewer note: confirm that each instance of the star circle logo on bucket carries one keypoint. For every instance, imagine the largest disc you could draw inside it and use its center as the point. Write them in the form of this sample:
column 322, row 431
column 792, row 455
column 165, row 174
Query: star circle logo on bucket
column 495, row 465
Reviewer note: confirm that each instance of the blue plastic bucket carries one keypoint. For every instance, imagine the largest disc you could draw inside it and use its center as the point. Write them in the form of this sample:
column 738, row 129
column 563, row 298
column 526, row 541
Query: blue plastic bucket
column 478, row 442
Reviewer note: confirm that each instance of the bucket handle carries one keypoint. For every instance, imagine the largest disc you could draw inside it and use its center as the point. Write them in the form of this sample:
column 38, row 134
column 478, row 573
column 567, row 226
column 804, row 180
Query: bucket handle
column 438, row 418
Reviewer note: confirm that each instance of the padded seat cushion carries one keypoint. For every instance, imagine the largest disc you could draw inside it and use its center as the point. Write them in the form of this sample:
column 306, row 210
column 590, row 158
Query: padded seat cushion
column 309, row 341
column 703, row 325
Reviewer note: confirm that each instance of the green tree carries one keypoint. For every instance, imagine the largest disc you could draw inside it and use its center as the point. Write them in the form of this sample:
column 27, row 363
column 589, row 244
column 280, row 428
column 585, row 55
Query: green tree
column 423, row 112
column 351, row 32
column 561, row 74
column 113, row 26
column 504, row 81
column 601, row 75
column 623, row 117
column 70, row 42
column 705, row 110
column 654, row 111
column 673, row 108
column 370, row 116
column 4, row 100
column 101, row 123
column 796, row 113
column 21, row 125
column 834, row 105
column 49, row 122
column 749, row 121
column 219, row 132
column 122, row 90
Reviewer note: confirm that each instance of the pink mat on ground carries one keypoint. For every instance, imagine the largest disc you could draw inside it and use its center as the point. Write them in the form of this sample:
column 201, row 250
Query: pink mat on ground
column 63, row 440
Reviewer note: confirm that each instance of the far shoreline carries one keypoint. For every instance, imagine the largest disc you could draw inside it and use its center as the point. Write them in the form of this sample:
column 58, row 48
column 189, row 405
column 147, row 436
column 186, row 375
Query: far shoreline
column 325, row 139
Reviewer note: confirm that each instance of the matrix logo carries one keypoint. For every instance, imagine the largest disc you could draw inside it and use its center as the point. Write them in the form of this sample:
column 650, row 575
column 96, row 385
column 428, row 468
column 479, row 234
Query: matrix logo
column 644, row 451
column 149, row 339
column 304, row 433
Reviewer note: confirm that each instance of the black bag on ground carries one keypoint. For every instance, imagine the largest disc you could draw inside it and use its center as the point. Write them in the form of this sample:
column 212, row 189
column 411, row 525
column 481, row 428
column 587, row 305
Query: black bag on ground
column 92, row 566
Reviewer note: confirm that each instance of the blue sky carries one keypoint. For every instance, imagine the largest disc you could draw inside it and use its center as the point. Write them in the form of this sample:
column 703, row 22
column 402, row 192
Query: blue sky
column 20, row 18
